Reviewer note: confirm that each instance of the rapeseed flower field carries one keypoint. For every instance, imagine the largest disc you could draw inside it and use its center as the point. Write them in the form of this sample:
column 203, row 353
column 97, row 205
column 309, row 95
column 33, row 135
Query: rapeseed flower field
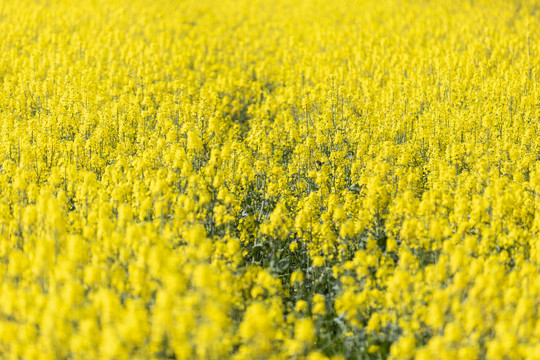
column 287, row 179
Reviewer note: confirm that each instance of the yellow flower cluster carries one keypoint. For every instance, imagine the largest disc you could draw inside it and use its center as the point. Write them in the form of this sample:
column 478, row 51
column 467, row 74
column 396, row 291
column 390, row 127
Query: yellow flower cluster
column 250, row 179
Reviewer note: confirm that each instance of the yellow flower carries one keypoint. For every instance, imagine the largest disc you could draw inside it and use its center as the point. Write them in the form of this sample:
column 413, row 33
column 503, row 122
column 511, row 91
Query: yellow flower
column 318, row 261
column 297, row 277
column 318, row 306
column 304, row 330
column 404, row 348
column 300, row 306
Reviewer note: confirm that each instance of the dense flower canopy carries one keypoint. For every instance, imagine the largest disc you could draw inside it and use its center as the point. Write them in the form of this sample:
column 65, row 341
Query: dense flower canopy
column 286, row 179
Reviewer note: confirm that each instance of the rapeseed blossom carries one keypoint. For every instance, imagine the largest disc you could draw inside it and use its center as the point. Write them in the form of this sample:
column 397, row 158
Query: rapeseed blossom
column 269, row 180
